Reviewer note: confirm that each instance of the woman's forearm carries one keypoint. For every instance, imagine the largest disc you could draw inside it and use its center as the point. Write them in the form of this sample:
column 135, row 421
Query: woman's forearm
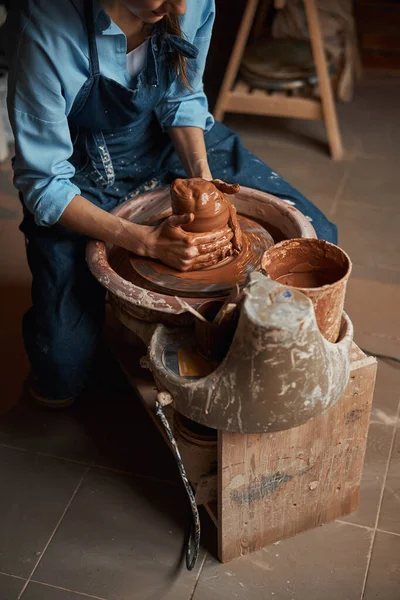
column 90, row 220
column 190, row 146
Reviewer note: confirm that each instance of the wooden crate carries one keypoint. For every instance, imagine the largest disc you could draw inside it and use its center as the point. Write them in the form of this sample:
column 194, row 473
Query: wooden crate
column 273, row 486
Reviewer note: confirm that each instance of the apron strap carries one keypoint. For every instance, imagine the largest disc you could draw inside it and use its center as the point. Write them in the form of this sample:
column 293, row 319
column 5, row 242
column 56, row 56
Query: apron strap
column 93, row 53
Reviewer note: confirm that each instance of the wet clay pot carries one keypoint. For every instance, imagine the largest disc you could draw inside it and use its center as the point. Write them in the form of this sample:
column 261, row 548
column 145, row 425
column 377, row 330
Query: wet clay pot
column 202, row 198
column 208, row 202
column 319, row 270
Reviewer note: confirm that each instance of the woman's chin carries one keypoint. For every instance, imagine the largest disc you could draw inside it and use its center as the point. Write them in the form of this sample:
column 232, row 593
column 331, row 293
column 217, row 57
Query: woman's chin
column 151, row 18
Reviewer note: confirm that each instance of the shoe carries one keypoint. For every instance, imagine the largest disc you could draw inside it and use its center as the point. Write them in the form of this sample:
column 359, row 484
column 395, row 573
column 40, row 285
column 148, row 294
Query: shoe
column 48, row 402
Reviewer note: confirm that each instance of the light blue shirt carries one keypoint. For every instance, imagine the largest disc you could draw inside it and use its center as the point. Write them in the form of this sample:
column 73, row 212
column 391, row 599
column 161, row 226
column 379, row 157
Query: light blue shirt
column 49, row 63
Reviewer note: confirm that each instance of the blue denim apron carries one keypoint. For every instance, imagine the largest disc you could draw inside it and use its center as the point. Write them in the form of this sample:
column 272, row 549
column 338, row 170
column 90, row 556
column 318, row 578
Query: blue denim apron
column 119, row 151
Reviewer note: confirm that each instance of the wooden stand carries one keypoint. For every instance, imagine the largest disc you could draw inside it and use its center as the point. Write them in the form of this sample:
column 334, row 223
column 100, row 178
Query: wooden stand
column 239, row 98
column 273, row 486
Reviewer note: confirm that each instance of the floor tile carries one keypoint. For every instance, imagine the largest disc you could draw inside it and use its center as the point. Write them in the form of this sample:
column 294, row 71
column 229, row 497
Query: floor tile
column 122, row 538
column 311, row 566
column 38, row 591
column 387, row 394
column 383, row 581
column 376, row 96
column 383, row 421
column 376, row 274
column 293, row 164
column 377, row 455
column 365, row 125
column 79, row 432
column 373, row 183
column 34, row 493
column 369, row 235
column 10, row 587
column 74, row 433
column 362, row 117
column 304, row 135
column 135, row 445
column 373, row 308
column 390, row 511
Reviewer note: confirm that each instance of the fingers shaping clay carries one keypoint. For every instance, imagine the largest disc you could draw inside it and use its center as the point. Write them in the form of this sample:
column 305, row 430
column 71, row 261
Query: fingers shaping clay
column 231, row 262
column 207, row 201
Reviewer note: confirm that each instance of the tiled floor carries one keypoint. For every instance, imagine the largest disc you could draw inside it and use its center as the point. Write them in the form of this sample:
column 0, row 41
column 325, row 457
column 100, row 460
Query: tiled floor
column 90, row 502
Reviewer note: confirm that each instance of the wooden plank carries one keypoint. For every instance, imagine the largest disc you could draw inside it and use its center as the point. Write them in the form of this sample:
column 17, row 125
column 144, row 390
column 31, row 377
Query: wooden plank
column 236, row 57
column 260, row 103
column 324, row 82
column 273, row 486
column 206, row 490
column 241, row 87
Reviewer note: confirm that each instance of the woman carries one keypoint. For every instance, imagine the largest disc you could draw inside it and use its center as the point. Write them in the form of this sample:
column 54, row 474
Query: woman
column 106, row 100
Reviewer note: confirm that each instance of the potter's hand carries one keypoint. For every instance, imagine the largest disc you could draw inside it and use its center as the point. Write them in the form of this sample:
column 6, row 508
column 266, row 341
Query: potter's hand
column 184, row 251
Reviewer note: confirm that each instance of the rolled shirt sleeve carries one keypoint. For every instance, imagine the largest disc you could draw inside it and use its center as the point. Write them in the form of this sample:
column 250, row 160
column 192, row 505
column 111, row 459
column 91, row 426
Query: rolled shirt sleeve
column 38, row 115
column 180, row 106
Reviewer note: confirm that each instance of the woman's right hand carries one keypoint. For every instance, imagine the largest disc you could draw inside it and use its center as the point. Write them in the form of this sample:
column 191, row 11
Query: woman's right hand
column 185, row 251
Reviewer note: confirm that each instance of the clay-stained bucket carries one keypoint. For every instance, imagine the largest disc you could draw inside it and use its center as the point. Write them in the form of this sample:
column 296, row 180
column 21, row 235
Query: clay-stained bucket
column 197, row 445
column 318, row 269
column 213, row 341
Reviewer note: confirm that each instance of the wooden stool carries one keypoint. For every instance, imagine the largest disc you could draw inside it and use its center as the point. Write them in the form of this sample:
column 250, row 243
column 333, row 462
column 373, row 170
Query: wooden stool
column 239, row 98
column 272, row 486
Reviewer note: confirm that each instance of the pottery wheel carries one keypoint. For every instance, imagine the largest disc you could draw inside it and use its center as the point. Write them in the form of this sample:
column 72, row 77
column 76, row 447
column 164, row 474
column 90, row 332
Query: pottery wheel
column 213, row 281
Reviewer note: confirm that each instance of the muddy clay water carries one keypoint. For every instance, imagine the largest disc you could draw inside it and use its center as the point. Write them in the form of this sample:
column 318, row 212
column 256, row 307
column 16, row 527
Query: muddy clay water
column 311, row 278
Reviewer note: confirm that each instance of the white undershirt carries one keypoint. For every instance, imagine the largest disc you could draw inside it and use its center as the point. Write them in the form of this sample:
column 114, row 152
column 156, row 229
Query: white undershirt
column 136, row 60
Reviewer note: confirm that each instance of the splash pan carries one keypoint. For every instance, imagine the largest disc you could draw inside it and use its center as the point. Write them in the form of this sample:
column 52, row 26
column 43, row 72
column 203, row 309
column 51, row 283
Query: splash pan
column 127, row 291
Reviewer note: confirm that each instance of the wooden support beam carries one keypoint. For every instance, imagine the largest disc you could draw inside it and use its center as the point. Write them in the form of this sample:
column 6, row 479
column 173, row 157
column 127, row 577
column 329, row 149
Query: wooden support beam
column 236, row 57
column 324, row 81
column 259, row 102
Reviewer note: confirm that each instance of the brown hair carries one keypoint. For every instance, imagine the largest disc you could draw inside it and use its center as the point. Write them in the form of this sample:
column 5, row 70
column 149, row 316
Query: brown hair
column 171, row 24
